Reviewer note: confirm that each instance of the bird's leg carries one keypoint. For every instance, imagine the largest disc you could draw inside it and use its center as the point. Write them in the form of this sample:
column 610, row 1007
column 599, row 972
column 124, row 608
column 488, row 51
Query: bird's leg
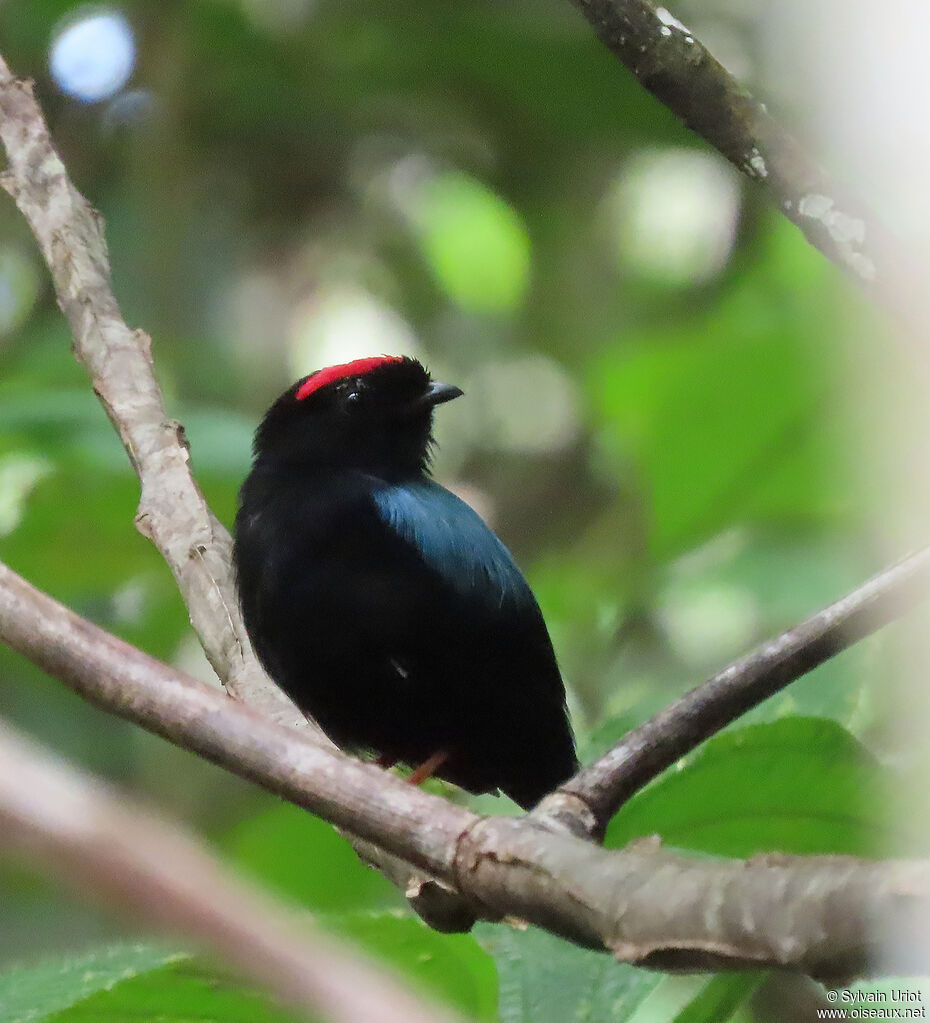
column 428, row 767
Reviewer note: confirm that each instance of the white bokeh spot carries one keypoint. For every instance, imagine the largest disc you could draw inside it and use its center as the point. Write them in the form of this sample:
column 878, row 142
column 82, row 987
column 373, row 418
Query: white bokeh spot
column 93, row 55
column 674, row 213
column 342, row 322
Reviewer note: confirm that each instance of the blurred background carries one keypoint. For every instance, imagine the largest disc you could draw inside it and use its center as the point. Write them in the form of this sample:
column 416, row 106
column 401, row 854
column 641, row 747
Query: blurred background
column 656, row 368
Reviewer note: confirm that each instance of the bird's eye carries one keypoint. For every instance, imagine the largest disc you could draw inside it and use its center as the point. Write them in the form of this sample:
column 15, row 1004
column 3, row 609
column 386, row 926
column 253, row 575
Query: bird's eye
column 352, row 399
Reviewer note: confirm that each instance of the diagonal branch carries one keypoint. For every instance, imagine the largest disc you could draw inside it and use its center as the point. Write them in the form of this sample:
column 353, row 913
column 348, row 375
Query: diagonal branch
column 172, row 511
column 824, row 915
column 125, row 681
column 88, row 836
column 671, row 63
column 649, row 749
column 645, row 906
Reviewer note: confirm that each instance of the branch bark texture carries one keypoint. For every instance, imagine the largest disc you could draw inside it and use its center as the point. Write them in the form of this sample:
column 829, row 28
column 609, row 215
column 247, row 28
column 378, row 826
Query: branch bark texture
column 670, row 62
column 825, row 916
column 172, row 511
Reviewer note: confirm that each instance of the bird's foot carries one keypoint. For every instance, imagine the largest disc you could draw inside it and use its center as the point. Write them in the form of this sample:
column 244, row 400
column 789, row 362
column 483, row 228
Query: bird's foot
column 428, row 767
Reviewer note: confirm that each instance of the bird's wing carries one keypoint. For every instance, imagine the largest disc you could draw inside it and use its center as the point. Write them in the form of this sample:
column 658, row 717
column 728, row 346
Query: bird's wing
column 401, row 622
column 453, row 540
column 490, row 625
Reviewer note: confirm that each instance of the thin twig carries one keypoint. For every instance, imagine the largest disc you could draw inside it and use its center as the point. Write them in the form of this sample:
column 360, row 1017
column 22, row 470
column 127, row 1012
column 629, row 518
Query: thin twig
column 655, row 745
column 823, row 915
column 102, row 847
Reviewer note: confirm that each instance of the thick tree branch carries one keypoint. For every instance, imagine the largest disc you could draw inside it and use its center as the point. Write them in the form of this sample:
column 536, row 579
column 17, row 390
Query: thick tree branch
column 125, row 681
column 678, row 70
column 826, row 916
column 643, row 753
column 644, row 905
column 101, row 846
column 172, row 511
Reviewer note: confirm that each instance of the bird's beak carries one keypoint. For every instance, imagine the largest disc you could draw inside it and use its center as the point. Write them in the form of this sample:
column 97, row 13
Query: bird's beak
column 435, row 394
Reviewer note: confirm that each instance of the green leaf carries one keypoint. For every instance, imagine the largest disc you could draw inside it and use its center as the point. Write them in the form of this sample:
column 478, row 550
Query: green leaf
column 36, row 992
column 451, row 967
column 799, row 785
column 475, row 244
column 180, row 992
column 305, row 858
column 728, row 413
column 544, row 979
column 112, row 985
column 129, row 982
column 709, row 422
column 720, row 998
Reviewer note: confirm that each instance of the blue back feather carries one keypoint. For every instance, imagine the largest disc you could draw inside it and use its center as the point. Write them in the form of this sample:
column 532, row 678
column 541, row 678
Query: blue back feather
column 454, row 541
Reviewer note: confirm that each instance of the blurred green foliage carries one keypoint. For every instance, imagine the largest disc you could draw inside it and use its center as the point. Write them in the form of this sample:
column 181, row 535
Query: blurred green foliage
column 541, row 978
column 799, row 785
column 116, row 983
column 288, row 183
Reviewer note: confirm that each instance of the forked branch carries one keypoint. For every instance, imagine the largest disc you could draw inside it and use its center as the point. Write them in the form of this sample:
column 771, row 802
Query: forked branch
column 644, row 905
column 824, row 915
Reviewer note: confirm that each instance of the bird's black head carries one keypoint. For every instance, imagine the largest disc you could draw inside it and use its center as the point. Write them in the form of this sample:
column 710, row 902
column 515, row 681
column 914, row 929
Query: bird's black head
column 374, row 415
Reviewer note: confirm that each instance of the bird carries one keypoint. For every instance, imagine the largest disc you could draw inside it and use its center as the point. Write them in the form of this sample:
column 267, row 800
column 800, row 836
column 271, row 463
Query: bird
column 381, row 603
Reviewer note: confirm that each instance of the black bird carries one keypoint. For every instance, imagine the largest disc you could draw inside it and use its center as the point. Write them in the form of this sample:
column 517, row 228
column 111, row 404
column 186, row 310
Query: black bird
column 380, row 602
